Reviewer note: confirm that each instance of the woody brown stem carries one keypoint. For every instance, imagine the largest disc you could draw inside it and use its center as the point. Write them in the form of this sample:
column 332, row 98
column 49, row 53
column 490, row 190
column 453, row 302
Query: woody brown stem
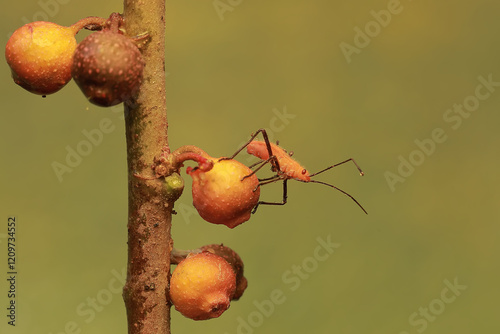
column 150, row 204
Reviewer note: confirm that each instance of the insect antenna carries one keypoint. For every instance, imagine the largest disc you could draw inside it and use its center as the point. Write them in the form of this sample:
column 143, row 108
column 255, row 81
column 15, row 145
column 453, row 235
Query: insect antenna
column 340, row 163
column 331, row 185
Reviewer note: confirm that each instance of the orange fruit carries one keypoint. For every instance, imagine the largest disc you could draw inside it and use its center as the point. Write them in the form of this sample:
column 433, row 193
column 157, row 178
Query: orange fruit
column 202, row 286
column 40, row 55
column 222, row 196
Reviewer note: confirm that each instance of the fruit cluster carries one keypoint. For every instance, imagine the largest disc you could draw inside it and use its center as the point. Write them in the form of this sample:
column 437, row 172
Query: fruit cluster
column 106, row 65
column 224, row 192
column 108, row 68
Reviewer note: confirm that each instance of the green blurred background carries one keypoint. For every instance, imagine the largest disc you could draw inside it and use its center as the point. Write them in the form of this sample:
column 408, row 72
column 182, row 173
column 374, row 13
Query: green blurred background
column 232, row 72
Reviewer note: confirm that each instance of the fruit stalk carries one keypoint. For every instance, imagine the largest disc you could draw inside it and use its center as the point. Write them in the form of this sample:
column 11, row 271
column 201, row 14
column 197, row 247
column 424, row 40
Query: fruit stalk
column 90, row 23
column 150, row 206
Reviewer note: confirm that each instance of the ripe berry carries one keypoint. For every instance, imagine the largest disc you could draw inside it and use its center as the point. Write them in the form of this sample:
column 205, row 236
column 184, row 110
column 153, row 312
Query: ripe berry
column 40, row 56
column 235, row 261
column 107, row 66
column 202, row 286
column 222, row 196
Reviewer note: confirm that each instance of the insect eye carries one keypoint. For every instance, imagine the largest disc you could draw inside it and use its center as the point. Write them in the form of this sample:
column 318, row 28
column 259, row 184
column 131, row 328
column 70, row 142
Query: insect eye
column 304, row 171
column 290, row 153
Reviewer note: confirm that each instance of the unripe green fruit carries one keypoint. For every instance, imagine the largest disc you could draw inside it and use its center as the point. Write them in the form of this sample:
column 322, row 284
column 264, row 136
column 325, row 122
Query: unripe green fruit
column 223, row 195
column 40, row 56
column 202, row 286
column 107, row 66
column 174, row 185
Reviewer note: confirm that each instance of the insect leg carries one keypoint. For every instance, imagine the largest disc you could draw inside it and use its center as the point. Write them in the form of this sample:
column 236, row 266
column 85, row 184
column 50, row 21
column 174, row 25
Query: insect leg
column 340, row 163
column 262, row 163
column 246, row 144
column 271, row 179
column 272, row 158
column 257, row 163
column 285, row 193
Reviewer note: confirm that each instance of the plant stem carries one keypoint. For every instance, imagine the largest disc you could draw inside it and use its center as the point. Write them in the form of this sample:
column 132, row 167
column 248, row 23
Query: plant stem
column 150, row 210
column 91, row 22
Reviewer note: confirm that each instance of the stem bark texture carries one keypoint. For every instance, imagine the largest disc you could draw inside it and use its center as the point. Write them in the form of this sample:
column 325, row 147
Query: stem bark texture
column 150, row 208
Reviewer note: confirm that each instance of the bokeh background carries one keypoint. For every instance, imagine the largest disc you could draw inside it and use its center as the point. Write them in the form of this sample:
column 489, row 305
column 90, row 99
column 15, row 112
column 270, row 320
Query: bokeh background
column 280, row 65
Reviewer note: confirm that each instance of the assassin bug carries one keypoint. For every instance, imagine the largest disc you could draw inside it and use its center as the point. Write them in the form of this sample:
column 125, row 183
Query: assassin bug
column 284, row 166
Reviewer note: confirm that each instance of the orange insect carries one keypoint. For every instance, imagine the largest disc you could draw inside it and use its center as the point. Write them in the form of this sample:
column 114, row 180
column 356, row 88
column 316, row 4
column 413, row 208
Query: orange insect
column 287, row 166
column 284, row 166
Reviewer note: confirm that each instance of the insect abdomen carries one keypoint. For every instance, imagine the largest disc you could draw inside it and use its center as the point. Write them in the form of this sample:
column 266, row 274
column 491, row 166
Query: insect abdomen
column 288, row 166
column 258, row 149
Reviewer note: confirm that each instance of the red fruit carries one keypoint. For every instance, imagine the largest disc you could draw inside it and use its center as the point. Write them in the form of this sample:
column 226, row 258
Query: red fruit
column 222, row 196
column 40, row 56
column 202, row 286
column 107, row 66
